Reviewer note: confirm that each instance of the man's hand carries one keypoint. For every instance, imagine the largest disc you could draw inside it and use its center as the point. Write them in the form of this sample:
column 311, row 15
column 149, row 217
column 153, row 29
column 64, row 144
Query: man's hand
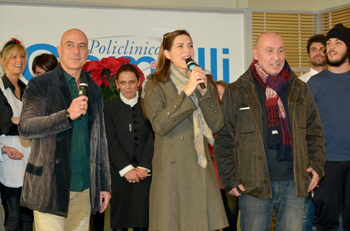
column 235, row 192
column 15, row 120
column 314, row 180
column 105, row 197
column 12, row 153
column 78, row 107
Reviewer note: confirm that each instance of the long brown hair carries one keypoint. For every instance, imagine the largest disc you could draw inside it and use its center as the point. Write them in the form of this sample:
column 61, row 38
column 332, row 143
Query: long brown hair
column 161, row 71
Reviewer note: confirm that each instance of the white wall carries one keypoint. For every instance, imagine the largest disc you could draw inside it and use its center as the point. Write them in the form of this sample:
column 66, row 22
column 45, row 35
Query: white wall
column 295, row 5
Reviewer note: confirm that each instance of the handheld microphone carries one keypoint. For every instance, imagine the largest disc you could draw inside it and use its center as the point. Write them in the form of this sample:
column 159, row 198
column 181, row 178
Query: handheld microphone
column 83, row 87
column 190, row 64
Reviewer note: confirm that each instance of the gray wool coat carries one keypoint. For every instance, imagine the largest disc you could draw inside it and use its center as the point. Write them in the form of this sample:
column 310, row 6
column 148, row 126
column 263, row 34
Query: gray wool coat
column 46, row 184
column 183, row 195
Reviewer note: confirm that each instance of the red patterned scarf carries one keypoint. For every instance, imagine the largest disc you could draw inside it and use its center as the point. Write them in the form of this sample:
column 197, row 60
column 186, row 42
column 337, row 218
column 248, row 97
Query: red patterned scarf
column 278, row 131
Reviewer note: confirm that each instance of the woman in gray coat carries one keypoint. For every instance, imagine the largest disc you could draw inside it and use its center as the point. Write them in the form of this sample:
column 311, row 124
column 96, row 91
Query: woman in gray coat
column 184, row 191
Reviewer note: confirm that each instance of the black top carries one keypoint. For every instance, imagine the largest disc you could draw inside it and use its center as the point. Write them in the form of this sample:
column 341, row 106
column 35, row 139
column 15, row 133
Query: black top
column 278, row 170
column 6, row 126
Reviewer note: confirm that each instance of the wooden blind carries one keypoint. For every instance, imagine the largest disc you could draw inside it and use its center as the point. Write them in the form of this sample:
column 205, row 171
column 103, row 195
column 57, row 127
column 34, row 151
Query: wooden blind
column 294, row 28
column 329, row 19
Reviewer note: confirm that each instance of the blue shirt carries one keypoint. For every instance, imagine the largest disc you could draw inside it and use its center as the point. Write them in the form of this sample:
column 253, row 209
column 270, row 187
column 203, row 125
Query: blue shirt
column 332, row 95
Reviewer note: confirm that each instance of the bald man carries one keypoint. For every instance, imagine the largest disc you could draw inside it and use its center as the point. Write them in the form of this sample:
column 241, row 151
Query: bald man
column 67, row 174
column 271, row 142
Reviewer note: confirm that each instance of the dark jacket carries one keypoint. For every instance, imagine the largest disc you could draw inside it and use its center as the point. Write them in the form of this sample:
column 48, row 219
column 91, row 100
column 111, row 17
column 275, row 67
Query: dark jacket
column 46, row 184
column 239, row 148
column 130, row 141
column 130, row 136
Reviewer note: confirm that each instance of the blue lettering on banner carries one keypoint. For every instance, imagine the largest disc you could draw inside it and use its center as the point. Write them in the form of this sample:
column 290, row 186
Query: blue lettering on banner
column 226, row 66
column 129, row 50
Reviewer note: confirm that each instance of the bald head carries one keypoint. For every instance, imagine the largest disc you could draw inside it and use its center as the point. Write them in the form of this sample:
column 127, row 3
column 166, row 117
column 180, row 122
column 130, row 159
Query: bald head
column 73, row 33
column 269, row 52
column 266, row 35
column 73, row 51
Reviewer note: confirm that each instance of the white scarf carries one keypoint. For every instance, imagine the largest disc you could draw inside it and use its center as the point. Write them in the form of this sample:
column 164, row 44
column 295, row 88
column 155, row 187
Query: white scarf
column 200, row 127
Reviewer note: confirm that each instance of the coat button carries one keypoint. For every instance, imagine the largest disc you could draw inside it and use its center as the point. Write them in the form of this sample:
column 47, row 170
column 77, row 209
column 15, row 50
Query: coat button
column 57, row 160
column 168, row 113
column 181, row 138
column 208, row 100
column 173, row 120
column 175, row 106
column 211, row 105
column 172, row 162
column 181, row 115
column 180, row 100
column 215, row 111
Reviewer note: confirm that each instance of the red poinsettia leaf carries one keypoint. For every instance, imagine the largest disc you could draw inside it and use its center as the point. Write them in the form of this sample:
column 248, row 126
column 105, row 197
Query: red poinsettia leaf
column 97, row 80
column 91, row 66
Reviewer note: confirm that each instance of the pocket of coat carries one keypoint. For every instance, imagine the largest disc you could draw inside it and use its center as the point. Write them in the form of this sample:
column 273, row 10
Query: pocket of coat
column 245, row 122
column 35, row 170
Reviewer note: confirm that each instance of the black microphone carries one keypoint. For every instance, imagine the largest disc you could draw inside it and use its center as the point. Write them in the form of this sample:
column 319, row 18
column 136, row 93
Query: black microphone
column 190, row 64
column 83, row 87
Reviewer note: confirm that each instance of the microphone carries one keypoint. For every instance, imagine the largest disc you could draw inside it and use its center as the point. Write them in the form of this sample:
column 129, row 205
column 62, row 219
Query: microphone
column 83, row 87
column 190, row 64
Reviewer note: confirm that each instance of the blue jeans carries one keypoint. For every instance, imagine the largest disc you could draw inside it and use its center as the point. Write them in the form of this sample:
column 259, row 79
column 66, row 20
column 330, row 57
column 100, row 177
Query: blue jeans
column 309, row 214
column 256, row 214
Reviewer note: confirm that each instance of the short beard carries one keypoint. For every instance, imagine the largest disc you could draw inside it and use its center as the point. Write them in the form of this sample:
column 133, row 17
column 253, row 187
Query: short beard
column 338, row 63
column 319, row 64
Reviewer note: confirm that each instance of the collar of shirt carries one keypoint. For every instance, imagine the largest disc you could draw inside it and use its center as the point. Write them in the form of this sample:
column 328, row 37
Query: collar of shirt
column 8, row 84
column 68, row 77
column 130, row 102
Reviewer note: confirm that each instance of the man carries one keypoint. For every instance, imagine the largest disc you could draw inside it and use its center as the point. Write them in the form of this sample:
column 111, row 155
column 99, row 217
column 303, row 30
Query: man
column 68, row 164
column 271, row 141
column 317, row 56
column 330, row 89
column 316, row 50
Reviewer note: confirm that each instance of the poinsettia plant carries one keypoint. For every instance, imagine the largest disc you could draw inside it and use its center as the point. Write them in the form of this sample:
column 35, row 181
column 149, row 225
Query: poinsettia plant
column 104, row 72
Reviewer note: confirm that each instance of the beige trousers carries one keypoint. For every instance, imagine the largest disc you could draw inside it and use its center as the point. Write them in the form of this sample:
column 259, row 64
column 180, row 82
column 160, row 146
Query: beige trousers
column 78, row 215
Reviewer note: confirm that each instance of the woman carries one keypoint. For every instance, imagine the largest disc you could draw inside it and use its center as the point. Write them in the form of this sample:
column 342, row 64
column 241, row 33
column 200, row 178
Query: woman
column 130, row 147
column 15, row 151
column 44, row 63
column 184, row 192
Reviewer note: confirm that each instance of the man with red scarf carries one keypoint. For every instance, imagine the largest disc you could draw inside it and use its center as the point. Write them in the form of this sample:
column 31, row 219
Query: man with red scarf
column 270, row 152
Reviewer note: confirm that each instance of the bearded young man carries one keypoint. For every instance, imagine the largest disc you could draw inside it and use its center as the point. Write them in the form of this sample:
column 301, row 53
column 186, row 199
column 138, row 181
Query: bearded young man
column 317, row 56
column 316, row 47
column 330, row 89
column 271, row 141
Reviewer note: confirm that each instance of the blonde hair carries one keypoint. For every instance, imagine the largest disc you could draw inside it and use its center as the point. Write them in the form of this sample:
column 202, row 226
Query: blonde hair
column 5, row 54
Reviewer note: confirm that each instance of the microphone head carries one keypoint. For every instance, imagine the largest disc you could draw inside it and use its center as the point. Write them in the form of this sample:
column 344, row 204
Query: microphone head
column 190, row 63
column 83, row 82
column 83, row 86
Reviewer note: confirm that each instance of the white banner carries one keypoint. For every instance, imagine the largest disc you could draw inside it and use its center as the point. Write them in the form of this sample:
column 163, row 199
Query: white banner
column 218, row 38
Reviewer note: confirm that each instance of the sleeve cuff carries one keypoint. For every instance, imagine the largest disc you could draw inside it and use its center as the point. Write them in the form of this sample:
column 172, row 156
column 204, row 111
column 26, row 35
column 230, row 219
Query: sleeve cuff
column 125, row 170
column 144, row 168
